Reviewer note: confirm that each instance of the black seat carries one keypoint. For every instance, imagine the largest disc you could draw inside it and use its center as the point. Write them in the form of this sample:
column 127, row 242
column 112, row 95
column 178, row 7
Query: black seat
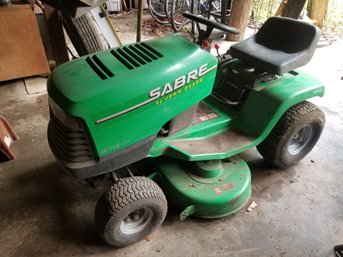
column 281, row 45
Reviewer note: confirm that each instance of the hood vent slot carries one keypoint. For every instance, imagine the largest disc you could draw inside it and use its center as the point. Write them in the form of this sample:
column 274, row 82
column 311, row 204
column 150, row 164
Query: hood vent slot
column 136, row 55
column 99, row 67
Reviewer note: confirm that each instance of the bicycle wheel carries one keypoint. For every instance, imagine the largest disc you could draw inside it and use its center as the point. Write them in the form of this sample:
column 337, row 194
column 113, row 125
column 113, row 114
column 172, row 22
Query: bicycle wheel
column 156, row 10
column 179, row 7
column 216, row 10
column 207, row 6
column 168, row 4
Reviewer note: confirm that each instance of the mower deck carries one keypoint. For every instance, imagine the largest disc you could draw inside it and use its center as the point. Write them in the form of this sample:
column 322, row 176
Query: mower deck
column 209, row 189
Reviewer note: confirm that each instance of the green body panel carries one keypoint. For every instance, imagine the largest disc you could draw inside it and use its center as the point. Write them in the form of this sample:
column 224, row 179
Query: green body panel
column 195, row 192
column 264, row 106
column 132, row 104
column 268, row 101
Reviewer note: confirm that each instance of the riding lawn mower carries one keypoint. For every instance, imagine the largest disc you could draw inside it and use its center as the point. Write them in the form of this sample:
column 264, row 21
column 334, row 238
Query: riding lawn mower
column 188, row 113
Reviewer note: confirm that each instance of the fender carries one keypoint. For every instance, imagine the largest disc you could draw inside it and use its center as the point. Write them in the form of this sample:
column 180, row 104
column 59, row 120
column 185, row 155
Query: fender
column 267, row 102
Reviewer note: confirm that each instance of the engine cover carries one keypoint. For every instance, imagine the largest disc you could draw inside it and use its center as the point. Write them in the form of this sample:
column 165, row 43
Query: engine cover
column 126, row 94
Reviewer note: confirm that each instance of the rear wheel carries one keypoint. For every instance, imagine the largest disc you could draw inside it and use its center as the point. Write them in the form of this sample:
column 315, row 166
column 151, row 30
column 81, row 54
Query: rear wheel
column 131, row 209
column 294, row 136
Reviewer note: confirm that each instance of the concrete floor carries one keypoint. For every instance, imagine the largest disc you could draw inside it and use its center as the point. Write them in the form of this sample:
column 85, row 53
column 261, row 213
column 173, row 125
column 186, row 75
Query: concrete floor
column 45, row 212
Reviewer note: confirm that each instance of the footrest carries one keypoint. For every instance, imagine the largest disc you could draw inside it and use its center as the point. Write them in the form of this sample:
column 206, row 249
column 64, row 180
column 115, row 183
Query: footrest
column 218, row 146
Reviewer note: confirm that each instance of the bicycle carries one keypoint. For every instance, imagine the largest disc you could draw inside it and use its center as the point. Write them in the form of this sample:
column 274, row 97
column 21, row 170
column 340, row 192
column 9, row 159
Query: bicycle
column 205, row 8
column 157, row 10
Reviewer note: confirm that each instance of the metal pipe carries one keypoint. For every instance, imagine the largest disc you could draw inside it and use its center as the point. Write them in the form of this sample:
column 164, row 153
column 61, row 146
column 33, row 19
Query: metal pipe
column 139, row 20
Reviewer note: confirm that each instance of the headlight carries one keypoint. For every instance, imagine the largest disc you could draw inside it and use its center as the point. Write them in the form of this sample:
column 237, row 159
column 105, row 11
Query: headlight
column 65, row 119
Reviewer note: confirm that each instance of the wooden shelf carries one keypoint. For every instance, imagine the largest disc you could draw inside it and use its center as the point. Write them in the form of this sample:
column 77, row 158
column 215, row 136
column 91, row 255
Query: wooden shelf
column 21, row 49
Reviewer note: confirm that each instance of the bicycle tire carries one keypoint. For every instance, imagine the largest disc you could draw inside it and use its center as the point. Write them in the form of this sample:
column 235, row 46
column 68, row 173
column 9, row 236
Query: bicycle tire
column 178, row 8
column 157, row 11
column 204, row 8
column 168, row 8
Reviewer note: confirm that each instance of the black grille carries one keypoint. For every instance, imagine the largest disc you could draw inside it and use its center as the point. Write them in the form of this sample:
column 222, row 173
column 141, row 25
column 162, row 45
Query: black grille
column 69, row 144
column 99, row 67
column 136, row 55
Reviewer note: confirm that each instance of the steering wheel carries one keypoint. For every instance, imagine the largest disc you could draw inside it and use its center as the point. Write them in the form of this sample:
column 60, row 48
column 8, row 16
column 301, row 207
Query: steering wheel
column 211, row 24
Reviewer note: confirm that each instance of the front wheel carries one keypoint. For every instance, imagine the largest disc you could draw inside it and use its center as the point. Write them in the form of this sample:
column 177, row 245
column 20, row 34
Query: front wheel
column 294, row 136
column 131, row 209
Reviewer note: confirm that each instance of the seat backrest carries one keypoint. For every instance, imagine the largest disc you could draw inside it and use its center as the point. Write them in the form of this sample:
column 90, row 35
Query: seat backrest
column 287, row 35
column 281, row 45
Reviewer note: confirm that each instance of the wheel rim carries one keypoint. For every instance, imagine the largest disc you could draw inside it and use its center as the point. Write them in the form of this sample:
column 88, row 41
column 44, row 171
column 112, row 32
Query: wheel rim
column 136, row 221
column 300, row 140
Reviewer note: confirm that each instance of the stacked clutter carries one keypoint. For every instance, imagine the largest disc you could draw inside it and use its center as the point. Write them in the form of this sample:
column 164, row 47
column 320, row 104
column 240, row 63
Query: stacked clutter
column 7, row 135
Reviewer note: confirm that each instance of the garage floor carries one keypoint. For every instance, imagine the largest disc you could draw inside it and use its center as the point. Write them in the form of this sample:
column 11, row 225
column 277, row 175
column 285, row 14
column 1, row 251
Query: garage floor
column 299, row 212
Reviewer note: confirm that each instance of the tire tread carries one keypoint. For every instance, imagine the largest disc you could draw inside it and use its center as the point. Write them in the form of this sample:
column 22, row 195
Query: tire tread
column 120, row 196
column 270, row 148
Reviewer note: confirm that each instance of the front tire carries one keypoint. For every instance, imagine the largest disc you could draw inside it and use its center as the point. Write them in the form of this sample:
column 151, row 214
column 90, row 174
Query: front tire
column 131, row 209
column 294, row 136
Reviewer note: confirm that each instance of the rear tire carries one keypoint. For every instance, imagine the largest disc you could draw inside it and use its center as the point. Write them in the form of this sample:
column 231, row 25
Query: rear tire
column 294, row 136
column 131, row 209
